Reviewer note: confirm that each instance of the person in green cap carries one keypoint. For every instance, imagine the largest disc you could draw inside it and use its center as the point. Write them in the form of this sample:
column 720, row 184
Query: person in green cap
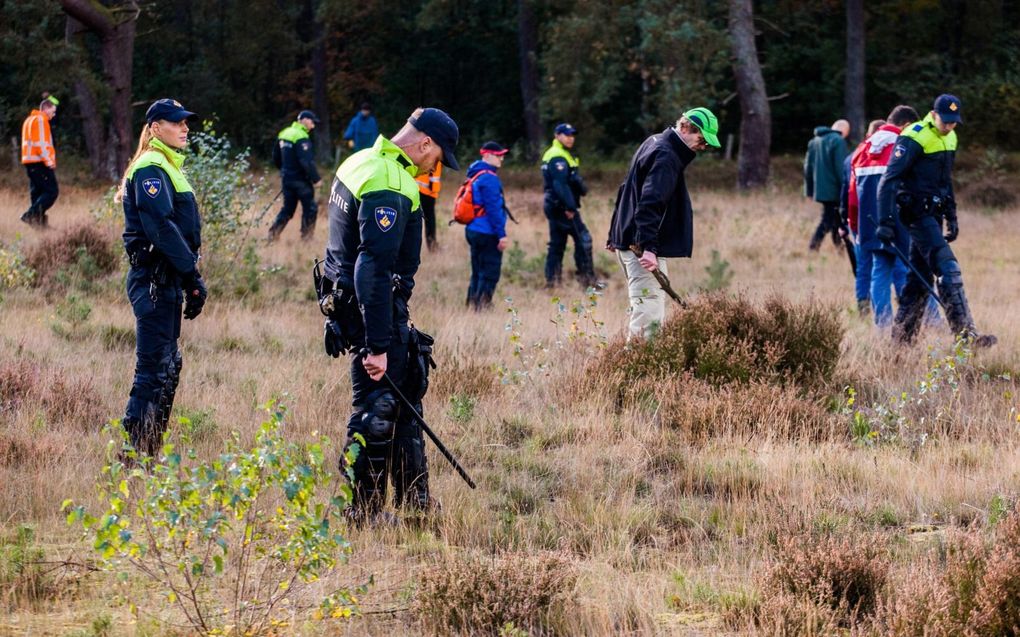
column 653, row 214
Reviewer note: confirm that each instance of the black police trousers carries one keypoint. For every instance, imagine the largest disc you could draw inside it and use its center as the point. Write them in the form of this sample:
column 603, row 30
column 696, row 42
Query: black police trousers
column 560, row 229
column 428, row 210
column 397, row 450
column 42, row 189
column 157, row 358
column 931, row 257
column 486, row 266
column 829, row 223
column 293, row 192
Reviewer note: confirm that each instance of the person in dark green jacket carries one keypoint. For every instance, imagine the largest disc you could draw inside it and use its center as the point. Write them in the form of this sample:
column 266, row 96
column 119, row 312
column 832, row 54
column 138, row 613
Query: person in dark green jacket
column 823, row 177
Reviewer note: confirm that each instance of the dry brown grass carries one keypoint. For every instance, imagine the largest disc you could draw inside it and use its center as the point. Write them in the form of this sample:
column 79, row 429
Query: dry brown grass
column 630, row 485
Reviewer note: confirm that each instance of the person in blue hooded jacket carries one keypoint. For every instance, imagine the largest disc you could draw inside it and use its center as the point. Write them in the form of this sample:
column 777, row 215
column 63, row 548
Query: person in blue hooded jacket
column 486, row 235
column 362, row 130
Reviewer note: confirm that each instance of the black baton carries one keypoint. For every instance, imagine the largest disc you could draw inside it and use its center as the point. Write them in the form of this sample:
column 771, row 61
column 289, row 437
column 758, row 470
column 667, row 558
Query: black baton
column 425, row 427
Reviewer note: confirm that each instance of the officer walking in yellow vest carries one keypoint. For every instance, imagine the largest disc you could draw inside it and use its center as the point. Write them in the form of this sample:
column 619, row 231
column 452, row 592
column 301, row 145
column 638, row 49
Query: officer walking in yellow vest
column 918, row 188
column 294, row 155
column 373, row 253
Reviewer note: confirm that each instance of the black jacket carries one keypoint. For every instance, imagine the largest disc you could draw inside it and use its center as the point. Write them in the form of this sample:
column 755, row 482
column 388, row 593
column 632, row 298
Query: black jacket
column 161, row 221
column 653, row 207
column 294, row 155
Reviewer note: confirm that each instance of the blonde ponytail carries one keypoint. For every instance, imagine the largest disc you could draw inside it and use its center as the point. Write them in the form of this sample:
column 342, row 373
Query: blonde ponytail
column 143, row 145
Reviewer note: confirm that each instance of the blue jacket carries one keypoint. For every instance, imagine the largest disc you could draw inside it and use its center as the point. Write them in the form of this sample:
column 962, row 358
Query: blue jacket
column 363, row 130
column 487, row 192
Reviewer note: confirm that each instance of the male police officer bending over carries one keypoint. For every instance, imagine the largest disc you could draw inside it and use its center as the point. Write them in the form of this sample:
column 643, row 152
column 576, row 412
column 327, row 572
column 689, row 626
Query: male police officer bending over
column 918, row 186
column 374, row 248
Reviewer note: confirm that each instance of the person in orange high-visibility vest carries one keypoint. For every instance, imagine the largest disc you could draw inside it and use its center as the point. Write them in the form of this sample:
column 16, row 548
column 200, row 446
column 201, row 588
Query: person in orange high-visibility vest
column 429, row 186
column 40, row 160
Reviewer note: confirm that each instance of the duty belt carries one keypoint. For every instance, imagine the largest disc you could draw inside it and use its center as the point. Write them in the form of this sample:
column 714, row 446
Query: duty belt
column 140, row 257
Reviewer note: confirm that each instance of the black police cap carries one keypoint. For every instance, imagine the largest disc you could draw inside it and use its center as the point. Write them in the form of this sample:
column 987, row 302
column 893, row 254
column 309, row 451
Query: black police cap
column 442, row 129
column 308, row 114
column 166, row 109
column 949, row 107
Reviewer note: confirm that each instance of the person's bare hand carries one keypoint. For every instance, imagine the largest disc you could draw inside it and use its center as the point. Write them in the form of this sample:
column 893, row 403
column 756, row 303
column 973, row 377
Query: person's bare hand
column 318, row 183
column 649, row 261
column 501, row 246
column 375, row 365
column 570, row 214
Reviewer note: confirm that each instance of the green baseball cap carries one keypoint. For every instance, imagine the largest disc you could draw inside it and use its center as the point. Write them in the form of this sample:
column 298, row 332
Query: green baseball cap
column 52, row 100
column 706, row 123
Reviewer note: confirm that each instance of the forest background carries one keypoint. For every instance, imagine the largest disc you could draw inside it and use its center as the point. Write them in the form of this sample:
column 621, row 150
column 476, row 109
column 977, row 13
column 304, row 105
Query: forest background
column 505, row 69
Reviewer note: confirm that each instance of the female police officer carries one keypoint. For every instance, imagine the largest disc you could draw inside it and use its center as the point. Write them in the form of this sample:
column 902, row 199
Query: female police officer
column 162, row 235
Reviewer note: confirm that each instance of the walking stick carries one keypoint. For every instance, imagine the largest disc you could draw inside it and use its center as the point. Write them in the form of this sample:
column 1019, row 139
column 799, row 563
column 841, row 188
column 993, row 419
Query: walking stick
column 924, row 282
column 662, row 279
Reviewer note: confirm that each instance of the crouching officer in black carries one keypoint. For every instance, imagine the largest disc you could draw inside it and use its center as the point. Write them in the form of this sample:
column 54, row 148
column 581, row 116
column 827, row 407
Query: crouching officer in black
column 294, row 155
column 374, row 248
column 162, row 235
column 918, row 186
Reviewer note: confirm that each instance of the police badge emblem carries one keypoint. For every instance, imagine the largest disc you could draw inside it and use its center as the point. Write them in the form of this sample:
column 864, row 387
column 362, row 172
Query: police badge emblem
column 385, row 218
column 152, row 187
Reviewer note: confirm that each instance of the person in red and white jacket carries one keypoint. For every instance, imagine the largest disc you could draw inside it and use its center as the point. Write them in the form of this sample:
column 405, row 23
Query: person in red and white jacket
column 866, row 169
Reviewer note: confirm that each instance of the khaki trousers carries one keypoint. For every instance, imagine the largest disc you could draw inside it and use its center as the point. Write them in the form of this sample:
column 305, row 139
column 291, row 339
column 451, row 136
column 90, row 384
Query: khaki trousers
column 647, row 299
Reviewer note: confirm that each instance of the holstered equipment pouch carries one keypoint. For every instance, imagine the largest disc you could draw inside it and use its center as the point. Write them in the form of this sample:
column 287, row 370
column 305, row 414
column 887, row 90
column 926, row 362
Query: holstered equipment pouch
column 419, row 364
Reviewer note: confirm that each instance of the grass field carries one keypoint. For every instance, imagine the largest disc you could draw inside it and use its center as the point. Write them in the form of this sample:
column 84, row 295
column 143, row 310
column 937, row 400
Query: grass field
column 599, row 518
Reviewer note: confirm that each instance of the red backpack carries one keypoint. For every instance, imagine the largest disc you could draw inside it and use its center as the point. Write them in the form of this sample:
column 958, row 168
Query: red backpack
column 464, row 208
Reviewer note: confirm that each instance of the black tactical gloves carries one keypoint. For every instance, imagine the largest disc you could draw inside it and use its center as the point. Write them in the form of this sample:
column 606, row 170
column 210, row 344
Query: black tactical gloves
column 334, row 340
column 195, row 295
column 952, row 229
column 886, row 231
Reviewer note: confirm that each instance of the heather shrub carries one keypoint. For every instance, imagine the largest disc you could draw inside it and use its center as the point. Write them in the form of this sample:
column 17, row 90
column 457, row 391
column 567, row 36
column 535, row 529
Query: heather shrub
column 815, row 583
column 82, row 251
column 973, row 591
column 479, row 596
column 701, row 411
column 63, row 399
column 722, row 339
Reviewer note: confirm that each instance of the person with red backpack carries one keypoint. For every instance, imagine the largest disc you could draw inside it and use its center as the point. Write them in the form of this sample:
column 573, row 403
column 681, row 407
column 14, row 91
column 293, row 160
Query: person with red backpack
column 486, row 232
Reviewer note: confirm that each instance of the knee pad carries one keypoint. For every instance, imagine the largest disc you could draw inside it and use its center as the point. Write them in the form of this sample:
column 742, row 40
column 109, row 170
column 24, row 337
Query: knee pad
column 380, row 417
column 951, row 273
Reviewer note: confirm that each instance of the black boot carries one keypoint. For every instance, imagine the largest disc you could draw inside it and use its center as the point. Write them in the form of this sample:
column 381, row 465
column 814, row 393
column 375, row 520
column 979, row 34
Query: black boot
column 274, row 233
column 32, row 216
column 958, row 313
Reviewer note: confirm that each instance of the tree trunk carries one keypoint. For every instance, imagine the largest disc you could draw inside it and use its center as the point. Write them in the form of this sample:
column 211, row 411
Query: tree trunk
column 755, row 117
column 115, row 26
column 92, row 119
column 527, row 39
column 320, row 99
column 854, row 89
